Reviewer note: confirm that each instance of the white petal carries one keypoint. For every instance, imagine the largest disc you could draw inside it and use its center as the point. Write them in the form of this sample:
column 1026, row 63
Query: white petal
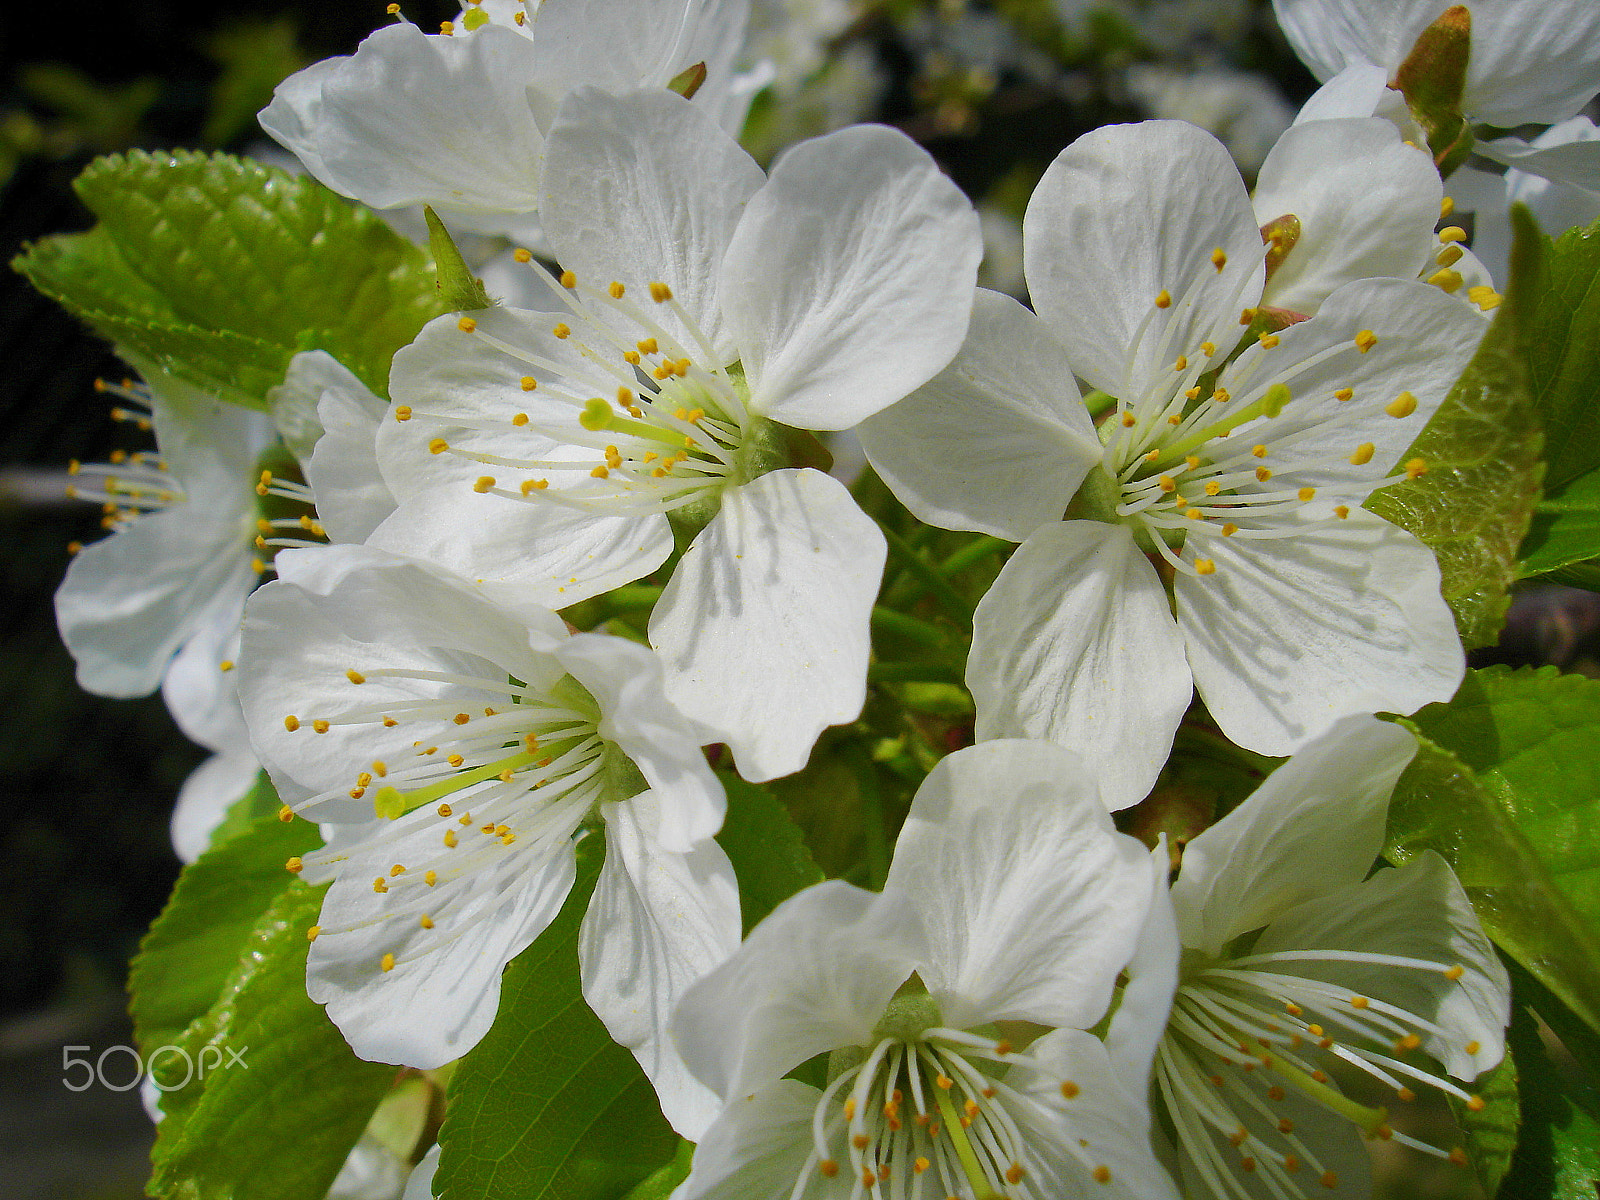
column 1315, row 825
column 420, row 1185
column 1574, row 162
column 205, row 797
column 813, row 976
column 626, row 680
column 764, row 625
column 999, row 441
column 1105, row 1124
column 757, row 1148
column 462, row 138
column 441, row 995
column 657, row 922
column 294, row 401
column 1289, row 635
column 1425, row 340
column 1075, row 644
column 623, row 44
column 1359, row 90
column 849, row 280
column 131, row 600
column 1414, row 911
column 203, row 698
column 687, row 185
column 1152, row 977
column 1366, row 201
column 1123, row 214
column 1031, row 901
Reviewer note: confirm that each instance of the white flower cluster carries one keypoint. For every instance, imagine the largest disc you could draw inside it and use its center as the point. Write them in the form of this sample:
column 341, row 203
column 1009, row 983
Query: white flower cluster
column 1026, row 1010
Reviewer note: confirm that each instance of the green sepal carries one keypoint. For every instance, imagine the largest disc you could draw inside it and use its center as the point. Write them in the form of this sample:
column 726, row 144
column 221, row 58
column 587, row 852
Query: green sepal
column 1482, row 453
column 459, row 289
column 687, row 81
column 1433, row 78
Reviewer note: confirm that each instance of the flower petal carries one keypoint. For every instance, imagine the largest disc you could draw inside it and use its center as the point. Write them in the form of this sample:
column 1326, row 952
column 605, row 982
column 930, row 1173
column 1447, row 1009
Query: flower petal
column 1125, row 214
column 757, row 1148
column 1290, row 634
column 1314, row 826
column 658, row 921
column 1359, row 90
column 1075, row 644
column 849, row 279
column 813, row 976
column 1414, row 911
column 1152, row 977
column 1367, row 204
column 999, row 441
column 687, row 183
column 205, row 797
column 1031, row 901
column 764, row 625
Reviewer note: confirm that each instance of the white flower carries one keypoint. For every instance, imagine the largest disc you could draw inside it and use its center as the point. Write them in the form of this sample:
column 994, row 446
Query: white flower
column 1531, row 61
column 457, row 120
column 951, row 1008
column 1294, row 960
column 709, row 310
column 484, row 740
column 1242, row 486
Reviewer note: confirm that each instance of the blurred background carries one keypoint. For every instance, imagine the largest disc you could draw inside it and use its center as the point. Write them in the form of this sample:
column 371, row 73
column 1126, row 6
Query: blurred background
column 994, row 90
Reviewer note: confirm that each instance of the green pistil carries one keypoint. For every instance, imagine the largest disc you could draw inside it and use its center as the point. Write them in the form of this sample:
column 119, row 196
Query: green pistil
column 392, row 803
column 1368, row 1119
column 598, row 415
column 1270, row 405
column 958, row 1136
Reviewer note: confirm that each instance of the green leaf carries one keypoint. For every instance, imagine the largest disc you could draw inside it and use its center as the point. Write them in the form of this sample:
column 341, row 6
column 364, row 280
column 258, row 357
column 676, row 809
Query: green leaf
column 1507, row 788
column 284, row 1099
column 766, row 847
column 459, row 289
column 194, row 945
column 1482, row 448
column 661, row 1184
column 547, row 1106
column 1558, row 1151
column 1563, row 354
column 1564, row 540
column 219, row 269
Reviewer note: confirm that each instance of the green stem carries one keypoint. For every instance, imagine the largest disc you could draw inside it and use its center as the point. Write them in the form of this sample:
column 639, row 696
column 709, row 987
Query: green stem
column 877, row 841
column 972, row 554
column 886, row 620
column 932, row 580
column 1099, row 402
column 912, row 672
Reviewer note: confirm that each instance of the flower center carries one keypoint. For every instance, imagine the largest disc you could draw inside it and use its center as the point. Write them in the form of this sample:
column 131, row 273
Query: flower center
column 927, row 1107
column 1180, row 465
column 1243, row 1034
column 643, row 423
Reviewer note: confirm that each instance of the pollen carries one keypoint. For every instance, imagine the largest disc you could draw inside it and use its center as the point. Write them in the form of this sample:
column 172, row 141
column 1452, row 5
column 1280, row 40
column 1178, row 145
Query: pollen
column 1213, row 488
column 1208, row 348
column 388, row 959
column 1102, row 1174
column 1194, row 514
column 1069, row 1090
column 1192, row 394
column 1472, row 1047
column 1168, row 484
column 466, row 324
column 1366, row 340
column 1222, row 395
column 529, row 383
column 1219, row 258
column 1402, row 405
column 1359, row 1002
column 600, row 472
column 1181, row 363
column 520, row 420
column 438, row 446
column 291, row 722
column 1363, row 454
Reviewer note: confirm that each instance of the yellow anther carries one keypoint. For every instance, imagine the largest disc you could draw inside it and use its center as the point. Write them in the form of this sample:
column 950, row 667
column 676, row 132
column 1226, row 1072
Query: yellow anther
column 1014, row 1173
column 1269, row 341
column 1163, row 299
column 600, row 472
column 293, row 865
column 1416, row 468
column 1449, row 256
column 1102, row 1174
column 1447, row 280
column 1363, row 454
column 1181, row 363
column 1213, row 488
column 1455, row 972
column 380, row 885
column 1452, row 233
column 447, row 28
column 828, row 1168
column 1410, row 1042
column 466, row 324
column 455, row 760
column 1263, row 473
column 1129, row 420
column 1306, row 493
column 569, row 280
column 681, row 366
column 1458, row 1156
column 483, row 483
column 1472, row 1047
column 1204, row 566
column 1359, row 1002
column 445, row 810
column 1291, row 1164
column 425, row 921
column 1175, row 419
column 562, row 330
column 520, row 420
column 1343, row 394
column 1167, row 483
column 1405, row 1094
column 534, row 485
column 1366, row 340
column 312, row 931
column 355, row 676
column 660, row 293
column 616, row 290
column 390, row 722
column 291, row 722
column 1222, row 395
column 1246, row 316
column 1194, row 514
column 1219, row 258
column 631, row 356
column 1484, row 296
column 1329, row 1180
column 1402, row 405
column 529, row 383
column 379, row 768
column 319, row 726
column 522, row 255
column 647, row 346
column 438, row 446
column 1192, row 394
column 1259, row 451
column 450, row 838
column 1446, row 207
column 388, row 959
column 1229, row 530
